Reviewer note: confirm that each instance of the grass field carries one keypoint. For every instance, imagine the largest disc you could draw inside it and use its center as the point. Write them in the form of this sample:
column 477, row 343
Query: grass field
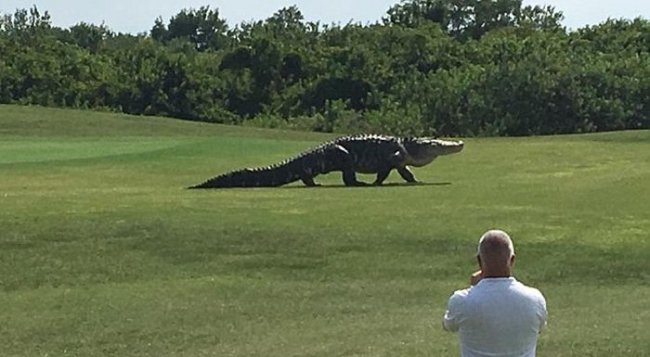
column 104, row 253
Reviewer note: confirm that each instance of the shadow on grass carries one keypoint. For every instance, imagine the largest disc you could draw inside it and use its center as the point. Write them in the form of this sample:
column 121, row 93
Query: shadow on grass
column 318, row 187
column 387, row 185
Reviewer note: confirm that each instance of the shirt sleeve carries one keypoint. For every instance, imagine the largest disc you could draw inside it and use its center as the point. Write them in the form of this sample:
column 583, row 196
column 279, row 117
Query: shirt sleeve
column 542, row 313
column 451, row 319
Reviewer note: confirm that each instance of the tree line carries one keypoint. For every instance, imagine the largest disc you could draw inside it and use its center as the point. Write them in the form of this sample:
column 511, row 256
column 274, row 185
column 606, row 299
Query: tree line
column 428, row 67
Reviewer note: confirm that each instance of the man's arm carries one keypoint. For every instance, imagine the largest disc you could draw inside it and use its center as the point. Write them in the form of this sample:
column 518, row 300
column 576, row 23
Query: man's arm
column 475, row 277
column 542, row 312
column 449, row 323
column 451, row 319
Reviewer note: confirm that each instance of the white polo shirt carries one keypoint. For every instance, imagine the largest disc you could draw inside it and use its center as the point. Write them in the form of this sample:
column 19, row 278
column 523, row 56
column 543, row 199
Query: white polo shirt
column 496, row 317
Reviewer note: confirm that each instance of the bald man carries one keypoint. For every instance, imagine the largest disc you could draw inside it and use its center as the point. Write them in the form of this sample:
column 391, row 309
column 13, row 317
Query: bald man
column 497, row 315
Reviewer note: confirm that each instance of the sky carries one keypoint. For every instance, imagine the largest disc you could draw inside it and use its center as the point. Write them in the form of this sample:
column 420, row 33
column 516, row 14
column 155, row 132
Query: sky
column 136, row 16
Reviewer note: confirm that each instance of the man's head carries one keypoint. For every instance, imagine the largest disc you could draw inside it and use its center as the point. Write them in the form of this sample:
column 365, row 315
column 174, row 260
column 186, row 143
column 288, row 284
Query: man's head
column 496, row 253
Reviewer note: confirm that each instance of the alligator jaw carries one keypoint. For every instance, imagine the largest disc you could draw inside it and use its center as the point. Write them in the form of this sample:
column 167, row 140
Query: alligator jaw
column 450, row 147
column 424, row 150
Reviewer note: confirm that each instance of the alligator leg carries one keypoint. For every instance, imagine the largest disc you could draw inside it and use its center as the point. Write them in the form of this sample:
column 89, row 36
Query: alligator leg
column 308, row 181
column 396, row 160
column 382, row 174
column 406, row 174
column 350, row 178
column 342, row 156
column 349, row 175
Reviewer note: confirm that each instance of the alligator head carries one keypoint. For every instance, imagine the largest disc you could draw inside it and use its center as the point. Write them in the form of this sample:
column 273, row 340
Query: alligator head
column 422, row 150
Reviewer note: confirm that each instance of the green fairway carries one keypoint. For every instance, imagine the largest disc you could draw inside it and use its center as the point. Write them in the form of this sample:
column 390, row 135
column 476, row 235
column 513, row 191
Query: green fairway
column 104, row 253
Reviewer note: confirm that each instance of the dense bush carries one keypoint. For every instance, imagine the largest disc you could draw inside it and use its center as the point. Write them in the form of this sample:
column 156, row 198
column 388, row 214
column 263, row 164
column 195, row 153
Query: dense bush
column 434, row 67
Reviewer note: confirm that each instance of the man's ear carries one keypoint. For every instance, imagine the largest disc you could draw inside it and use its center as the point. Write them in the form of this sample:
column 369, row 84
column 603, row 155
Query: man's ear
column 512, row 260
column 478, row 259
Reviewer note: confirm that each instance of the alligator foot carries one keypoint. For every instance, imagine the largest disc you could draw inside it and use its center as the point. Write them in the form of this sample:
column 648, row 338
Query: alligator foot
column 356, row 184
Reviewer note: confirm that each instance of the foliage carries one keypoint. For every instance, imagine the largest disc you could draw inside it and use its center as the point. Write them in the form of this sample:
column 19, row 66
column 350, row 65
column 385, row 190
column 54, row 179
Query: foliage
column 432, row 67
column 203, row 28
column 471, row 19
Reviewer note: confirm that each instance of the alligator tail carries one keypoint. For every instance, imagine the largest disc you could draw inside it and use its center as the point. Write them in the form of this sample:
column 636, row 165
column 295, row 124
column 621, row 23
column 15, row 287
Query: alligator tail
column 270, row 176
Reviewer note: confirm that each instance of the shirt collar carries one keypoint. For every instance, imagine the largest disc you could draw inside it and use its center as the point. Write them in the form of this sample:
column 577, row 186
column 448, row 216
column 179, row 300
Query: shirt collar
column 509, row 279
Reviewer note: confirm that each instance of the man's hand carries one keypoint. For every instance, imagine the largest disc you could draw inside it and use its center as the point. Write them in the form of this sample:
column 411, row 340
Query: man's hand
column 476, row 277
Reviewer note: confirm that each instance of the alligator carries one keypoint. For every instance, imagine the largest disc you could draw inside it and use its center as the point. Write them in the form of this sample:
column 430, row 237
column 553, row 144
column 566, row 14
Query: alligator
column 366, row 154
